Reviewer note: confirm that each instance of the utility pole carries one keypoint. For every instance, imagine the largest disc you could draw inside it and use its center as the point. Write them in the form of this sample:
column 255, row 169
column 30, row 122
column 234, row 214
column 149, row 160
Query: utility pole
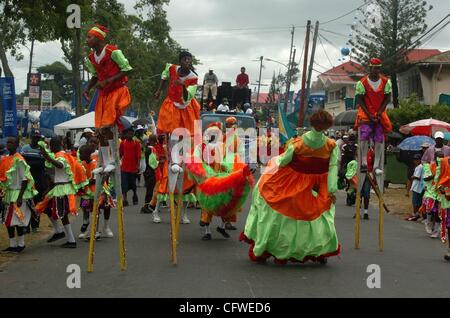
column 260, row 74
column 288, row 80
column 311, row 63
column 301, row 116
column 29, row 68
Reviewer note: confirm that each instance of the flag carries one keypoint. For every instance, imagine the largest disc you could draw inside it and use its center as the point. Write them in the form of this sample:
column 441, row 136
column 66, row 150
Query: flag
column 285, row 129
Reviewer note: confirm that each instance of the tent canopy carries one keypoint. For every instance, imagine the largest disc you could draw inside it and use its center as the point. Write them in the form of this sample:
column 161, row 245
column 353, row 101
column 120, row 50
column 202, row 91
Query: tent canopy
column 85, row 121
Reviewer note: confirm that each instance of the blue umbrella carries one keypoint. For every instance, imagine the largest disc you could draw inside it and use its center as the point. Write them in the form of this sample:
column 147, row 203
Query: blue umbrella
column 415, row 143
column 447, row 136
column 48, row 133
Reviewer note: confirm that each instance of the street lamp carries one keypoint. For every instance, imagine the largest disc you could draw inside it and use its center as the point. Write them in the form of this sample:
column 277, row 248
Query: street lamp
column 271, row 60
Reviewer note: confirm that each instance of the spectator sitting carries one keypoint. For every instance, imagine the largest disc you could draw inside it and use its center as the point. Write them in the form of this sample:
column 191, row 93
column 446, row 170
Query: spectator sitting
column 224, row 107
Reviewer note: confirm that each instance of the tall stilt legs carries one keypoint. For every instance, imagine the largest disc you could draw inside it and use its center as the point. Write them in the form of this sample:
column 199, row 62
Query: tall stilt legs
column 94, row 216
column 118, row 188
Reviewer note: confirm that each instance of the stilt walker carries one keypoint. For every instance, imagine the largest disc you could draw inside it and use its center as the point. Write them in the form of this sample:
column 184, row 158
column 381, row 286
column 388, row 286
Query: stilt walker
column 109, row 69
column 372, row 122
column 180, row 110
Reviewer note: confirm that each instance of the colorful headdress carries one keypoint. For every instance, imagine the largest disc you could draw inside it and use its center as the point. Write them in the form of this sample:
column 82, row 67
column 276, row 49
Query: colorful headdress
column 231, row 120
column 99, row 31
column 375, row 62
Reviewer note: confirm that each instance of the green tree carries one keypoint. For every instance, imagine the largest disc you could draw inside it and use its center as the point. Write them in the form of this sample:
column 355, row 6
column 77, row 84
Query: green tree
column 411, row 110
column 57, row 78
column 22, row 21
column 390, row 38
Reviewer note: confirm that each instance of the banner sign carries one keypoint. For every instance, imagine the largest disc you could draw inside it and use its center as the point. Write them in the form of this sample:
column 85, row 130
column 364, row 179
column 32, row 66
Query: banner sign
column 47, row 98
column 34, row 83
column 8, row 98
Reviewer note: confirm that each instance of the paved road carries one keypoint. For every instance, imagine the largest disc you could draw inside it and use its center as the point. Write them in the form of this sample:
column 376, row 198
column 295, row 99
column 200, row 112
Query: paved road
column 411, row 266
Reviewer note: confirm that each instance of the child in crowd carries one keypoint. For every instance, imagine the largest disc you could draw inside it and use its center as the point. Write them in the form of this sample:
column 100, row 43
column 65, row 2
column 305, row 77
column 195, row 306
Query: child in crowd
column 17, row 187
column 151, row 165
column 417, row 187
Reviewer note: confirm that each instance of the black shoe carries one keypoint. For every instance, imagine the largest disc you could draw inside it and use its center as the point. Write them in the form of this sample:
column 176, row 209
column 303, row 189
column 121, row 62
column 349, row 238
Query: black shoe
column 135, row 200
column 366, row 216
column 10, row 250
column 146, row 210
column 323, row 261
column 230, row 227
column 207, row 237
column 164, row 204
column 20, row 249
column 125, row 203
column 69, row 245
column 203, row 224
column 56, row 236
column 223, row 232
column 84, row 228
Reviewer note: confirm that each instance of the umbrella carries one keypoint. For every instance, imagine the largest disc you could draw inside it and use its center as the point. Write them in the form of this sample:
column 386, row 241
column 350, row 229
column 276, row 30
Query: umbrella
column 346, row 118
column 447, row 136
column 125, row 122
column 142, row 122
column 425, row 127
column 415, row 143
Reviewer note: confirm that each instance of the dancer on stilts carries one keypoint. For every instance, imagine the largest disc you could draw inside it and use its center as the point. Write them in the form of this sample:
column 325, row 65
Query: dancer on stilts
column 17, row 192
column 374, row 94
column 109, row 68
column 180, row 109
column 223, row 180
column 292, row 213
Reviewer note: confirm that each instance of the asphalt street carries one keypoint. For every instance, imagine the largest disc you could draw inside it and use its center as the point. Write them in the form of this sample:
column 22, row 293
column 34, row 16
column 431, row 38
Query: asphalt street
column 411, row 265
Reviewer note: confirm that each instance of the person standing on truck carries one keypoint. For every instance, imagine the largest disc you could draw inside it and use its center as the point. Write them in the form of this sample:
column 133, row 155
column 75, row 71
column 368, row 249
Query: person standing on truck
column 241, row 90
column 210, row 83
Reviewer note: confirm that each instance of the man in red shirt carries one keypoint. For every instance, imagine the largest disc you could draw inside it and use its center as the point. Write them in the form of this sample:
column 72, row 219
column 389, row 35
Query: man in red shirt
column 241, row 91
column 130, row 154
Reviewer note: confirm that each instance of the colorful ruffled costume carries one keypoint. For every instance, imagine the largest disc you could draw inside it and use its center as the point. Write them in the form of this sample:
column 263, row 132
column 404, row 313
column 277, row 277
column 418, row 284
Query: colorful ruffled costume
column 292, row 214
column 14, row 170
column 60, row 200
column 443, row 194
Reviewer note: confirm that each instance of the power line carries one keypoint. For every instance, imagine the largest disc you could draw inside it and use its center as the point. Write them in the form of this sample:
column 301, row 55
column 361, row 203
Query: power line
column 325, row 51
column 346, row 14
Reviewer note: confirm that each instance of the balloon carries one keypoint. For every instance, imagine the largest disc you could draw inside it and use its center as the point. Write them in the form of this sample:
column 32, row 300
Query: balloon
column 345, row 51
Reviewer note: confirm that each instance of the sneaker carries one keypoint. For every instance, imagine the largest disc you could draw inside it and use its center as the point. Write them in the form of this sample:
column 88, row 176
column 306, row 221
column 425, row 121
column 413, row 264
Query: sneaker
column 185, row 219
column 435, row 234
column 10, row 250
column 223, row 232
column 84, row 235
column 20, row 249
column 378, row 172
column 366, row 216
column 414, row 218
column 84, row 228
column 146, row 210
column 135, row 200
column 428, row 228
column 69, row 245
column 230, row 227
column 56, row 236
column 109, row 168
column 107, row 232
column 156, row 218
column 207, row 237
column 98, row 170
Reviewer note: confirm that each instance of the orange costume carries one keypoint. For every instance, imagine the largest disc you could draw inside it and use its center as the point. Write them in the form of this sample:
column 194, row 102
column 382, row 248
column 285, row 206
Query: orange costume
column 176, row 112
column 114, row 98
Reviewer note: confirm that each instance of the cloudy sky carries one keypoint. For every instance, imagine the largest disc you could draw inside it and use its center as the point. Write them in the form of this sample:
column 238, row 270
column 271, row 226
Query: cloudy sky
column 228, row 34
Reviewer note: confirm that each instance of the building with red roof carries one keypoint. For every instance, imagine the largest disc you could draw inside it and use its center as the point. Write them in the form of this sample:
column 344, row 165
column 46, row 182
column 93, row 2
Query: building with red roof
column 428, row 77
column 339, row 85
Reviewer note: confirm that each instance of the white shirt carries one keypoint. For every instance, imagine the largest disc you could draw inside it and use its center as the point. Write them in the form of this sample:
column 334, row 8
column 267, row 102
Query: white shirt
column 418, row 185
column 223, row 108
column 18, row 176
column 249, row 111
column 375, row 85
